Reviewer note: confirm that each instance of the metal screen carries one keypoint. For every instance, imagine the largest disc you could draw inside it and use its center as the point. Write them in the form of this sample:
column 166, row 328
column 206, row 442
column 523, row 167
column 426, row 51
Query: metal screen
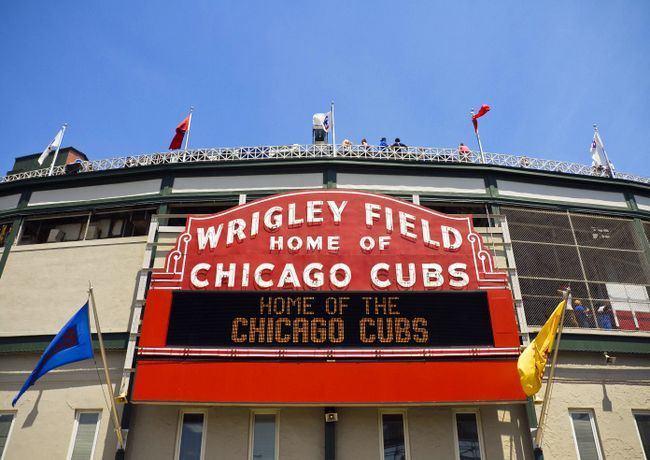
column 603, row 259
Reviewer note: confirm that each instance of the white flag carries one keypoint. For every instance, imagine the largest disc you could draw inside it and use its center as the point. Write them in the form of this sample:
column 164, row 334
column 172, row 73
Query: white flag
column 598, row 151
column 323, row 121
column 55, row 144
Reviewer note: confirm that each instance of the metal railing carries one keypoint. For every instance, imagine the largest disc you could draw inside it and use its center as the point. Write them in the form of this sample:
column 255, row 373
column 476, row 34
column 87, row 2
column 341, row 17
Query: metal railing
column 321, row 151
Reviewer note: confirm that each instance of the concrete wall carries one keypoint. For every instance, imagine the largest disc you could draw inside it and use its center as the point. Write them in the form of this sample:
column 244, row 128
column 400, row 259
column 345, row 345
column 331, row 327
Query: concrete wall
column 251, row 182
column 45, row 414
column 558, row 194
column 43, row 285
column 95, row 192
column 611, row 392
column 413, row 184
column 430, row 430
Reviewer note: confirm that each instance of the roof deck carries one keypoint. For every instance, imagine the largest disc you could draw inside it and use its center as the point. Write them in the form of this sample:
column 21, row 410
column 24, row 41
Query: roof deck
column 326, row 151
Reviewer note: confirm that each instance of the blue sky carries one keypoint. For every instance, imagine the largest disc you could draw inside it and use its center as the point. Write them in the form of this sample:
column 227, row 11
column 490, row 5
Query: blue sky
column 123, row 74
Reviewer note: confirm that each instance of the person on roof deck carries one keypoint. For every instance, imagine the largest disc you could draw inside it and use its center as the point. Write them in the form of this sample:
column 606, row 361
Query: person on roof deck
column 398, row 146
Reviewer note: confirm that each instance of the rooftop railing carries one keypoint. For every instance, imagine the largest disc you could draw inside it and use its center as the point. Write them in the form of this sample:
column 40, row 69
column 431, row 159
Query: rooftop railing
column 325, row 151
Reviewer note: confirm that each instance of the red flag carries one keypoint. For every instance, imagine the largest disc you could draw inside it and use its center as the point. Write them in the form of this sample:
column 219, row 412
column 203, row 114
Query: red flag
column 181, row 129
column 482, row 111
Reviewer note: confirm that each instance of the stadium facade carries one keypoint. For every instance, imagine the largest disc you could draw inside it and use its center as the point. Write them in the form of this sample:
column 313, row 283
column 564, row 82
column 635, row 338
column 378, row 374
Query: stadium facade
column 359, row 305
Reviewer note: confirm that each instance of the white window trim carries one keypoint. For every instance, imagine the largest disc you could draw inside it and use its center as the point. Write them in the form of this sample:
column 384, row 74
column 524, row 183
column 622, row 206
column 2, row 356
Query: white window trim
column 479, row 426
column 636, row 425
column 594, row 430
column 179, row 430
column 11, row 427
column 251, row 430
column 73, row 438
column 405, row 427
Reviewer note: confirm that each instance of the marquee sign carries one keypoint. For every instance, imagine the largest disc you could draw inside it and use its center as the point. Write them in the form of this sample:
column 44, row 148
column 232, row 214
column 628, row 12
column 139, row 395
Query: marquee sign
column 329, row 240
column 324, row 280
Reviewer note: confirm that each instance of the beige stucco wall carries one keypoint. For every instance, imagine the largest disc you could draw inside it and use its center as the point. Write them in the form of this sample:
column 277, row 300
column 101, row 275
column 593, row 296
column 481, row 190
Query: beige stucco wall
column 43, row 285
column 611, row 391
column 430, row 430
column 45, row 414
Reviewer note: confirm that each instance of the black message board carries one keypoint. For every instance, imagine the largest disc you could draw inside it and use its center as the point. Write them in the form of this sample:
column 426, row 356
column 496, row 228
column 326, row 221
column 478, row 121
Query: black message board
column 329, row 319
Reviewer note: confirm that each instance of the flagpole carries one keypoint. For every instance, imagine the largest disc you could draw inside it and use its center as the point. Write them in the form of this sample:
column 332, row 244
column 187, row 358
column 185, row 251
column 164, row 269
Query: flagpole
column 478, row 138
column 116, row 420
column 56, row 153
column 333, row 129
column 609, row 164
column 549, row 383
column 189, row 126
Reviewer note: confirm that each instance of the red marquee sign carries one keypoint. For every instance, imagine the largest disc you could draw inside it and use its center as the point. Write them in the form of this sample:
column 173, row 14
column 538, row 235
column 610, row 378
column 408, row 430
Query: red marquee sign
column 395, row 302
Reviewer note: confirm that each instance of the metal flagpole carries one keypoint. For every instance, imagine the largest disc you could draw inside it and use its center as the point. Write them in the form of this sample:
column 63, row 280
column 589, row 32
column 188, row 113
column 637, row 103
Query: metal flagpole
column 549, row 383
column 333, row 129
column 478, row 138
column 116, row 421
column 56, row 153
column 609, row 164
column 189, row 126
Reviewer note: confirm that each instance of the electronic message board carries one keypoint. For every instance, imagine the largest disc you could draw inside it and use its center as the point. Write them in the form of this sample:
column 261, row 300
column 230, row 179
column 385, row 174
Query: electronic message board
column 329, row 319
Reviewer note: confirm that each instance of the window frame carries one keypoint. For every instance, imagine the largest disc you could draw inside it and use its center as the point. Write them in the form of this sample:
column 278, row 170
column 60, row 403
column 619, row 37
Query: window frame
column 636, row 425
column 251, row 431
column 594, row 430
column 405, row 428
column 11, row 427
column 75, row 429
column 479, row 429
column 179, row 430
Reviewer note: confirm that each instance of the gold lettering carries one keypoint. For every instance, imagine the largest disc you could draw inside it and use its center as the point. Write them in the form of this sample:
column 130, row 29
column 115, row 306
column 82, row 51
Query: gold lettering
column 335, row 330
column 235, row 330
column 402, row 332
column 420, row 332
column 385, row 330
column 343, row 304
column 265, row 306
column 392, row 306
column 380, row 305
column 363, row 333
column 269, row 330
column 281, row 337
column 330, row 305
column 278, row 306
column 300, row 330
column 318, row 330
column 255, row 331
column 293, row 303
column 366, row 301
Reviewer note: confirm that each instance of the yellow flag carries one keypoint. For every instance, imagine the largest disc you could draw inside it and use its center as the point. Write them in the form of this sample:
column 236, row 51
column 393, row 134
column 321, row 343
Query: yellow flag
column 532, row 361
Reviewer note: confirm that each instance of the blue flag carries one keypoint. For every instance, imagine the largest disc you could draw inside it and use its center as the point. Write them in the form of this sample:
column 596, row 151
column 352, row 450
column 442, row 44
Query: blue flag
column 73, row 343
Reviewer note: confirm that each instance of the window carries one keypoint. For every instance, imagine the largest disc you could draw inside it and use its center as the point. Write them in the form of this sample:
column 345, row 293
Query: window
column 393, row 439
column 264, row 436
column 468, row 436
column 643, row 425
column 84, row 435
column 191, row 436
column 68, row 228
column 586, row 438
column 6, row 423
column 86, row 226
column 115, row 224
